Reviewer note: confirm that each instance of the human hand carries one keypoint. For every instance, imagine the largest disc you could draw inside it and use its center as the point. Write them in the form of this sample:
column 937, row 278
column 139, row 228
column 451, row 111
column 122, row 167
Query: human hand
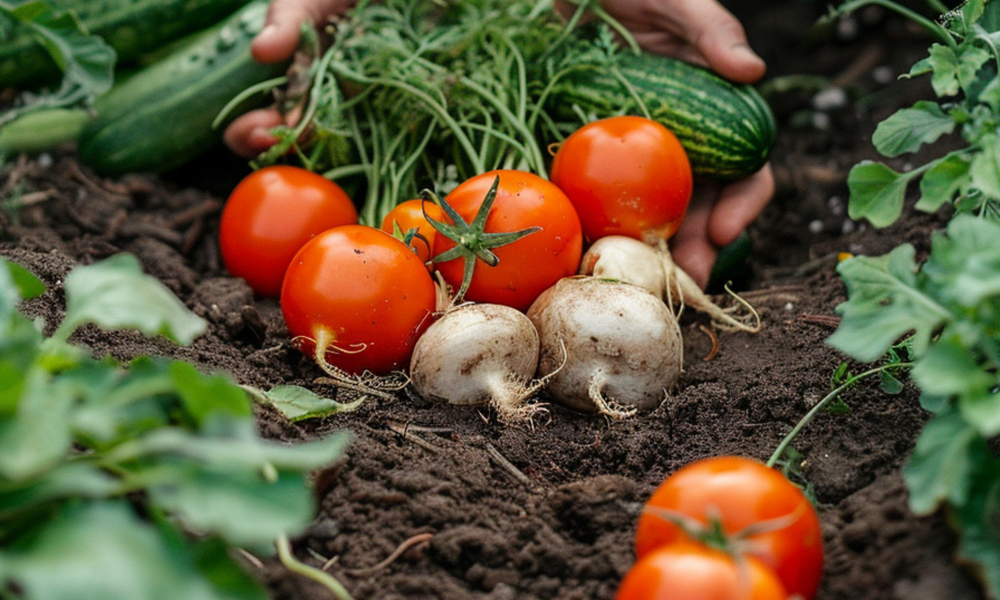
column 704, row 33
column 250, row 133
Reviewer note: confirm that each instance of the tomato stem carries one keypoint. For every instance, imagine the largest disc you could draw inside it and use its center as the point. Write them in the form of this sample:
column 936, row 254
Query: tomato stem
column 472, row 241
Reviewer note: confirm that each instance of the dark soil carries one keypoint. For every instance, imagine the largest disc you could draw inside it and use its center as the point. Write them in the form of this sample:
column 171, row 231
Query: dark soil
column 549, row 512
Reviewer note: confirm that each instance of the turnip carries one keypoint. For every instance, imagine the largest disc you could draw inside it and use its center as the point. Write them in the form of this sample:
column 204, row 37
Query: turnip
column 480, row 354
column 611, row 347
column 652, row 267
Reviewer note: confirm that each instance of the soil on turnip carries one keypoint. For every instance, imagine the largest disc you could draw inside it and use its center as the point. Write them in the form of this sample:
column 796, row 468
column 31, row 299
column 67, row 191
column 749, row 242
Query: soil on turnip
column 548, row 512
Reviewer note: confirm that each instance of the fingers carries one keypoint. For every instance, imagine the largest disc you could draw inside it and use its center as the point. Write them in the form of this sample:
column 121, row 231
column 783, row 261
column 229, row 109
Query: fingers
column 738, row 204
column 280, row 36
column 691, row 247
column 716, row 35
column 249, row 134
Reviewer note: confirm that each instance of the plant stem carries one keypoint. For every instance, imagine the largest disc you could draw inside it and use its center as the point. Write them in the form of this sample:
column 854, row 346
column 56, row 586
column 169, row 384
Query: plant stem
column 939, row 32
column 300, row 568
column 809, row 416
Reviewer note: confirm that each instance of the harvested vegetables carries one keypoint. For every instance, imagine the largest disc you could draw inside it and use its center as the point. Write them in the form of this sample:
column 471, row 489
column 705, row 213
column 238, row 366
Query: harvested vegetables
column 413, row 95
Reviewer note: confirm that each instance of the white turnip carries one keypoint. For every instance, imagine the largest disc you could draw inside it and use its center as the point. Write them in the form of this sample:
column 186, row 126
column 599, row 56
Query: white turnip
column 653, row 268
column 610, row 347
column 480, row 354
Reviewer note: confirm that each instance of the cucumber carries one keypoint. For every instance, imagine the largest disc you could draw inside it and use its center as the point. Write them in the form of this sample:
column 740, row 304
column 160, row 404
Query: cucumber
column 162, row 116
column 131, row 27
column 727, row 129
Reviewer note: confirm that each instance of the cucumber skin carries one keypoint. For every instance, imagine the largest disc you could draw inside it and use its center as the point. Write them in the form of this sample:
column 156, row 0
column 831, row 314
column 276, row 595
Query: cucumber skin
column 162, row 117
column 727, row 129
column 131, row 27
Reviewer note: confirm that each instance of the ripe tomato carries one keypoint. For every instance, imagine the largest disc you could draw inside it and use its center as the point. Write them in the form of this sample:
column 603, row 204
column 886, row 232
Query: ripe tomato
column 529, row 265
column 685, row 571
column 625, row 176
column 741, row 493
column 410, row 215
column 362, row 291
column 272, row 213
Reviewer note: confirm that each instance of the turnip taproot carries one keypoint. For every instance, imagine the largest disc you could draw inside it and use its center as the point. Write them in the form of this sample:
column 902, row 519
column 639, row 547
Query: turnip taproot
column 480, row 354
column 611, row 347
column 653, row 268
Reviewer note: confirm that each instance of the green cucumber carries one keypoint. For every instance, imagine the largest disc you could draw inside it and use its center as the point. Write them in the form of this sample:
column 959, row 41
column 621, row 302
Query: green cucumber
column 162, row 116
column 727, row 129
column 131, row 27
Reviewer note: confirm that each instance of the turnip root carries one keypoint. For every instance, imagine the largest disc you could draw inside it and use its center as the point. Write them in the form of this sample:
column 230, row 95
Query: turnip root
column 653, row 268
column 480, row 354
column 611, row 347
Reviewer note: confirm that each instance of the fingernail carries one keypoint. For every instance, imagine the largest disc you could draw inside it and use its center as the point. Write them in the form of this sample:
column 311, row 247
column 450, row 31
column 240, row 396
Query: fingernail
column 267, row 31
column 748, row 54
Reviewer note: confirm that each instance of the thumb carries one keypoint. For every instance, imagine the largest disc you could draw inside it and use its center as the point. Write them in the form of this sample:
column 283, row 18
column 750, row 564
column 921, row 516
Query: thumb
column 719, row 37
column 280, row 36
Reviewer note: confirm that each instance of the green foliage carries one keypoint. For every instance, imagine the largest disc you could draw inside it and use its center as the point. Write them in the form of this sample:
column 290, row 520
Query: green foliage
column 950, row 309
column 132, row 481
column 87, row 61
column 963, row 72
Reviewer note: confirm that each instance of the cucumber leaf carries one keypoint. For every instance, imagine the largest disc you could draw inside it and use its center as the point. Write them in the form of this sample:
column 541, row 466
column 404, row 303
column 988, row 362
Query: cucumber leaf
column 877, row 193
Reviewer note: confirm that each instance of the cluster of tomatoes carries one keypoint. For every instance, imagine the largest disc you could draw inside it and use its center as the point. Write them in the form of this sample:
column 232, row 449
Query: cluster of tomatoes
column 365, row 296
column 719, row 528
column 726, row 527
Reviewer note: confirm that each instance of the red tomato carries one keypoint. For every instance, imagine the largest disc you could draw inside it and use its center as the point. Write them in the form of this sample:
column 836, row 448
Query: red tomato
column 625, row 176
column 740, row 493
column 695, row 572
column 362, row 291
column 410, row 215
column 529, row 265
column 270, row 215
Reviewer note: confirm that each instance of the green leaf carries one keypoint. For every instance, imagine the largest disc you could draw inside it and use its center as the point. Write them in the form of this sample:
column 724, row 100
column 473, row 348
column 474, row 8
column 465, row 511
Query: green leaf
column 68, row 480
column 876, row 193
column 979, row 525
column 964, row 264
column 37, row 436
column 102, row 550
column 884, row 303
column 985, row 168
column 942, row 463
column 26, row 283
column 908, row 129
column 954, row 70
column 942, row 181
column 116, row 294
column 949, row 369
column 990, row 94
column 206, row 396
column 297, row 403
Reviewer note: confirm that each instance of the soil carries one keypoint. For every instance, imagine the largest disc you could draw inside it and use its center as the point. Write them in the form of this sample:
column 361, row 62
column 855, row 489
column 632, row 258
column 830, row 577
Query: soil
column 548, row 512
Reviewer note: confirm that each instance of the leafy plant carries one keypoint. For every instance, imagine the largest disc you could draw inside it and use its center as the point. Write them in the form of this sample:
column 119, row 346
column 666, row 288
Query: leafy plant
column 132, row 481
column 963, row 71
column 947, row 308
column 86, row 60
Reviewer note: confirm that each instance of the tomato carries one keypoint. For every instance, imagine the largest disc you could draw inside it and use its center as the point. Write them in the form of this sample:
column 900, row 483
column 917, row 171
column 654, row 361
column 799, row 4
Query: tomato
column 410, row 215
column 695, row 572
column 272, row 213
column 529, row 265
column 362, row 293
column 625, row 176
column 741, row 493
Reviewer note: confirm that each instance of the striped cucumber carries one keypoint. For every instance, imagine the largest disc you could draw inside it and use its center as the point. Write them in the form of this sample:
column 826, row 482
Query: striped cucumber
column 727, row 129
column 131, row 27
column 162, row 116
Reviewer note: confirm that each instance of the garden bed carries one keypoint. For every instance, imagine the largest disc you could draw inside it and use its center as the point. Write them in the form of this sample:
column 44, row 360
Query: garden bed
column 548, row 511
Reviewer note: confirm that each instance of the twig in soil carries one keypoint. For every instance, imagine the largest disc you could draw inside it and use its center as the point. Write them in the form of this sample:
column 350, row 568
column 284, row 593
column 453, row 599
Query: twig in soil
column 192, row 236
column 715, row 342
column 826, row 320
column 509, row 466
column 404, row 431
column 250, row 558
column 399, row 551
column 107, row 188
column 321, row 577
column 442, row 431
column 859, row 67
column 33, row 198
column 788, row 293
column 194, row 213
